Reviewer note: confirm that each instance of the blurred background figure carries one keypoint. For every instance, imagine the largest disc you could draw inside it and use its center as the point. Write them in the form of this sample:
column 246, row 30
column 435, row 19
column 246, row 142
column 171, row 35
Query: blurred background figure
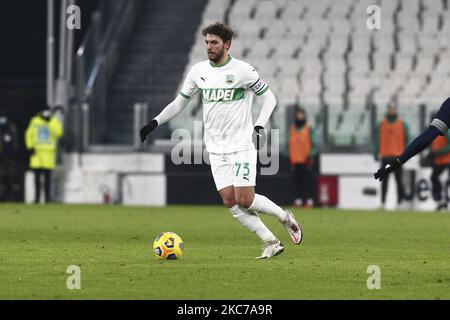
column 41, row 138
column 302, row 149
column 439, row 156
column 390, row 141
column 9, row 148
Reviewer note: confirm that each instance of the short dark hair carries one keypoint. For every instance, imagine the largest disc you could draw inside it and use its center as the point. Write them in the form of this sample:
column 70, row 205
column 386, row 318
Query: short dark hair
column 299, row 109
column 392, row 105
column 219, row 29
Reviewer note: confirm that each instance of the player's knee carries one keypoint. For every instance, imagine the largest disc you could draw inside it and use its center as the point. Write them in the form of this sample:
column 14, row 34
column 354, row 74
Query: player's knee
column 229, row 202
column 244, row 201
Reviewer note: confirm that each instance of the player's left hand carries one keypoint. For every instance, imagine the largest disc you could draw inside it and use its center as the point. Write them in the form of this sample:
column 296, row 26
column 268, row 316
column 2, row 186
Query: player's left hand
column 259, row 137
column 388, row 168
column 145, row 130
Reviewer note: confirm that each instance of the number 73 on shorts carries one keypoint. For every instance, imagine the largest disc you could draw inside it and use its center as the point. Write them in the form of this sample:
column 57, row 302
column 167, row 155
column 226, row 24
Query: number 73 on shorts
column 245, row 169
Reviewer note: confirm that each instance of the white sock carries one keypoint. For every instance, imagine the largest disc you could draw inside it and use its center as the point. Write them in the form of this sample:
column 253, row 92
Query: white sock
column 252, row 222
column 265, row 205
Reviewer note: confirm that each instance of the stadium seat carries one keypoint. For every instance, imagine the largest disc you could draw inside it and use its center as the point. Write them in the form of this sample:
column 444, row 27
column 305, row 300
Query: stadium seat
column 278, row 29
column 321, row 52
column 293, row 10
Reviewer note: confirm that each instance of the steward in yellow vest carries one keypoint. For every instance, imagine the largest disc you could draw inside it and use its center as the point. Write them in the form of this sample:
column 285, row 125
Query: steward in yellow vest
column 41, row 138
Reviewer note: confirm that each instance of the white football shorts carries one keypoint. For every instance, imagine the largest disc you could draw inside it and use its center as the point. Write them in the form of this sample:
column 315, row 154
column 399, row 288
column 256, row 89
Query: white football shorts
column 236, row 169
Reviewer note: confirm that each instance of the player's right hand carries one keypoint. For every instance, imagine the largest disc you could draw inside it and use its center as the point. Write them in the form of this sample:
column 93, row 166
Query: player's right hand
column 145, row 130
column 259, row 137
column 388, row 168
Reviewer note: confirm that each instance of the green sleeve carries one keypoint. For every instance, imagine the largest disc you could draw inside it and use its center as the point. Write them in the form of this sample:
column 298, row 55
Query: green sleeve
column 312, row 137
column 445, row 149
column 407, row 136
column 184, row 95
column 376, row 143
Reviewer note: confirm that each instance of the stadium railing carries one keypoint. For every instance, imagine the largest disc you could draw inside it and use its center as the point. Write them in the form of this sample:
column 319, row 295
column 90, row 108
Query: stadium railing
column 95, row 61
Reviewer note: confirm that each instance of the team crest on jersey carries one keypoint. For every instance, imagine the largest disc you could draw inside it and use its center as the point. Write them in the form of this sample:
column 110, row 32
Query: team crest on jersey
column 230, row 78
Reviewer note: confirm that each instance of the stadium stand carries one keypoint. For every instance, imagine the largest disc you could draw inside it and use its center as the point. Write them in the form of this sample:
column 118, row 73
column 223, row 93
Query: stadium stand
column 151, row 63
column 321, row 53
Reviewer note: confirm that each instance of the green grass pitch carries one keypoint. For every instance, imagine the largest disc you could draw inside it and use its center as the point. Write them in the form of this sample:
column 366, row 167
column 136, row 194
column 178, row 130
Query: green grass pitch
column 113, row 247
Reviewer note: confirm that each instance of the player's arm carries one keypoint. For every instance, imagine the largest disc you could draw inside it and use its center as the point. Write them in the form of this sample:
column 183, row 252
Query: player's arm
column 253, row 82
column 439, row 126
column 172, row 109
column 268, row 105
column 169, row 112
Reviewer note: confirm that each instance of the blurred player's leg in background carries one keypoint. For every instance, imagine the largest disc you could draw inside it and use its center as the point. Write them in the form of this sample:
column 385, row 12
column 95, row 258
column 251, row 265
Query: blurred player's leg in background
column 37, row 185
column 436, row 185
column 400, row 188
column 306, row 182
column 309, row 189
column 298, row 202
column 48, row 188
column 384, row 185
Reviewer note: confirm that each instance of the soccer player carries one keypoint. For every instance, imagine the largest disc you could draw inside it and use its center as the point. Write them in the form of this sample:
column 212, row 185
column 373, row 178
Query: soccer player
column 227, row 85
column 439, row 126
column 439, row 156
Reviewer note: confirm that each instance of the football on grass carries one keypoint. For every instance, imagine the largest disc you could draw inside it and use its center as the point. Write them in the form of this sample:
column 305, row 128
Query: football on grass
column 168, row 245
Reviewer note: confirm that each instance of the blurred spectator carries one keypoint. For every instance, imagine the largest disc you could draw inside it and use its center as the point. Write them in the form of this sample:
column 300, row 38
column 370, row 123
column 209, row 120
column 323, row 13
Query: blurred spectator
column 9, row 148
column 390, row 141
column 440, row 159
column 302, row 149
column 41, row 138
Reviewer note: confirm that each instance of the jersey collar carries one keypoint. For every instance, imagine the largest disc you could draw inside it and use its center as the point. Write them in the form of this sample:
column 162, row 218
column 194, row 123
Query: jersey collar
column 220, row 65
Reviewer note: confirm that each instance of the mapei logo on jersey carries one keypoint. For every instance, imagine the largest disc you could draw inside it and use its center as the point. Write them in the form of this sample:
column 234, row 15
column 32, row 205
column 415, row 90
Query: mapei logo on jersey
column 217, row 95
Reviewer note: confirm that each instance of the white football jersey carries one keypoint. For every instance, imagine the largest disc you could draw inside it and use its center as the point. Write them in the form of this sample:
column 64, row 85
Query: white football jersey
column 227, row 94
